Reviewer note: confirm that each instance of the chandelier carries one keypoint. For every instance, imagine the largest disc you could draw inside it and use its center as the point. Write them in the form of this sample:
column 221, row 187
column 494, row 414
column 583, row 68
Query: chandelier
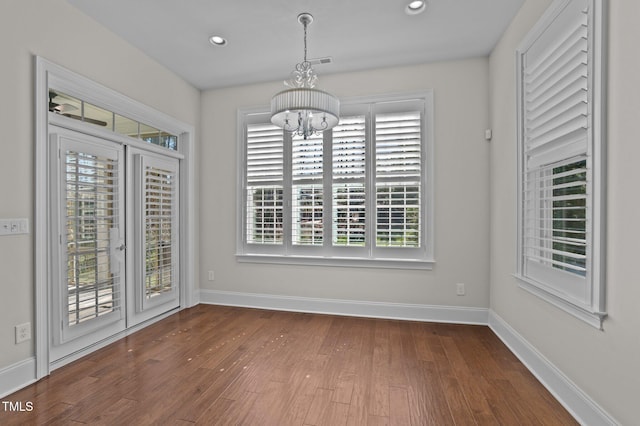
column 302, row 109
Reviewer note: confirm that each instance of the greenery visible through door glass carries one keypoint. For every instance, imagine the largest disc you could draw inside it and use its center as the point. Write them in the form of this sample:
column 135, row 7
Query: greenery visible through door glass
column 569, row 217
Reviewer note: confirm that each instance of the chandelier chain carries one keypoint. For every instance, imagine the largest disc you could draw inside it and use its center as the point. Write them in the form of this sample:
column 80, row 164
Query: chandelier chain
column 305, row 41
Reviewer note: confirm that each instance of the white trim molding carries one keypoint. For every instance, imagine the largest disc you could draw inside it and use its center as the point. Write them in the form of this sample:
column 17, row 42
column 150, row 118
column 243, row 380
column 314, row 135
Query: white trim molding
column 281, row 182
column 584, row 409
column 594, row 319
column 17, row 376
column 558, row 260
column 353, row 308
column 350, row 262
column 50, row 75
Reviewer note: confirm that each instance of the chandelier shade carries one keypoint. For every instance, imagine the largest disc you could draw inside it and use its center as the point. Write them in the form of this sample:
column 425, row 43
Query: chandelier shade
column 303, row 110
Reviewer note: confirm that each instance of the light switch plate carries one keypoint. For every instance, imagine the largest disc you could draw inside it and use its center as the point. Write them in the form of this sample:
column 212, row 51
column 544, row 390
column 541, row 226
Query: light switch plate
column 14, row 226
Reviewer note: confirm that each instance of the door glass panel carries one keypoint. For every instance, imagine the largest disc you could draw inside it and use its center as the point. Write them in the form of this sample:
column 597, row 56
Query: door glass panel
column 154, row 236
column 78, row 109
column 64, row 104
column 125, row 126
column 91, row 214
column 159, row 230
column 149, row 134
column 98, row 116
column 168, row 140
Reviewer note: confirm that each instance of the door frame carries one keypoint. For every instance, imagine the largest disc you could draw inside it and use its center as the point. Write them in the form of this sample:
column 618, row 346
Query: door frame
column 50, row 75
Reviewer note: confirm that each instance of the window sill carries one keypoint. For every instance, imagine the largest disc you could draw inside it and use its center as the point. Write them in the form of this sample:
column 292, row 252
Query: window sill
column 594, row 319
column 350, row 262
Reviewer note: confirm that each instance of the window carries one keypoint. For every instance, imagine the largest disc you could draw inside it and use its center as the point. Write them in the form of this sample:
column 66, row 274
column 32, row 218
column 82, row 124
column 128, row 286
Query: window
column 264, row 175
column 348, row 182
column 354, row 195
column 69, row 106
column 561, row 149
column 398, row 171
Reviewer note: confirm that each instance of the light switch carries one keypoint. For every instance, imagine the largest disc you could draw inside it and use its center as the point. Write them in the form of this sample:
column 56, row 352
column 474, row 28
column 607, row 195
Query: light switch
column 14, row 226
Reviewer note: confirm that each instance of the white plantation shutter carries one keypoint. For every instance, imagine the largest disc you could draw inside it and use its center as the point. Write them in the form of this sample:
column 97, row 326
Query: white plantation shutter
column 398, row 172
column 555, row 91
column 555, row 141
column 154, row 235
column 349, row 195
column 307, row 159
column 398, row 146
column 349, row 144
column 92, row 211
column 559, row 154
column 264, row 154
column 348, row 181
column 307, row 190
column 88, row 264
column 160, row 235
column 555, row 226
column 264, row 177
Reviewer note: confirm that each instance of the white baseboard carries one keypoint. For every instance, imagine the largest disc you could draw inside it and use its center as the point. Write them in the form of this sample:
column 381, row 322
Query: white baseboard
column 22, row 374
column 400, row 311
column 16, row 376
column 580, row 405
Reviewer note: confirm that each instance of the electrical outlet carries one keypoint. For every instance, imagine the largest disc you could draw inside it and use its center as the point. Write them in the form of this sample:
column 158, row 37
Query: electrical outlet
column 460, row 290
column 23, row 332
column 211, row 276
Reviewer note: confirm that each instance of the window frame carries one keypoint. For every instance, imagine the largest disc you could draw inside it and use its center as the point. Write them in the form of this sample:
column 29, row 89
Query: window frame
column 554, row 285
column 327, row 254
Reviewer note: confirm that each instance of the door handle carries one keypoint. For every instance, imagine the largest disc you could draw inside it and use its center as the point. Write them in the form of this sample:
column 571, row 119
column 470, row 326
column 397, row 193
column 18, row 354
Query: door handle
column 116, row 258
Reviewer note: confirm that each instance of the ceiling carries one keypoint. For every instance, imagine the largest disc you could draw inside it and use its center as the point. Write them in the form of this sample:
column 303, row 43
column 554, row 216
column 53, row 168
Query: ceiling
column 265, row 40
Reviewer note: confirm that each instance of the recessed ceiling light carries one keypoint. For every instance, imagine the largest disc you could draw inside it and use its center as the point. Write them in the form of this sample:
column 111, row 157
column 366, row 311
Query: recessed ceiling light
column 415, row 7
column 217, row 40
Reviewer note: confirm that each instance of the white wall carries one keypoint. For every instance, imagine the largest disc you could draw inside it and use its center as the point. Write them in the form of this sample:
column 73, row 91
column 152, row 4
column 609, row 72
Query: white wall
column 604, row 364
column 473, row 177
column 55, row 30
column 461, row 193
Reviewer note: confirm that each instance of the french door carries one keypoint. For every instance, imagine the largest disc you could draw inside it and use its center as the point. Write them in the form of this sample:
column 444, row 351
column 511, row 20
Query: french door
column 114, row 239
column 88, row 238
column 154, row 235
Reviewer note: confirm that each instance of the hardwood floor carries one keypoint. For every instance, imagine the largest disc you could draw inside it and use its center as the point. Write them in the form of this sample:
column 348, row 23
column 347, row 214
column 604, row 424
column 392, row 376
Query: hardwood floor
column 222, row 365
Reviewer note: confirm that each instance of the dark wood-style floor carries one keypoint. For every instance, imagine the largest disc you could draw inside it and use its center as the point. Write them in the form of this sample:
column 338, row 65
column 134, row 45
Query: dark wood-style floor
column 222, row 365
